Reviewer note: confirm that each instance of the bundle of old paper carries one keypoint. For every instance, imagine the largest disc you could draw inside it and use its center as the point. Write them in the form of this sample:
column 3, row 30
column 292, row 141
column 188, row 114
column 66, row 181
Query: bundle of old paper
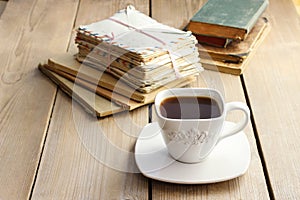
column 138, row 50
column 126, row 60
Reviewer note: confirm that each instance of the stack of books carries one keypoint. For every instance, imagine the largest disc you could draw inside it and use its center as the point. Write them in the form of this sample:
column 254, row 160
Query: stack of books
column 125, row 60
column 228, row 32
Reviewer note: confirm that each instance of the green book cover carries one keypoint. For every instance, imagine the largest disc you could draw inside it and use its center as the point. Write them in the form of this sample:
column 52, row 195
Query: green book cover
column 241, row 14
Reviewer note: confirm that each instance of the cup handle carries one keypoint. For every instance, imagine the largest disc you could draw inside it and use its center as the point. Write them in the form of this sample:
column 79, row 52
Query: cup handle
column 241, row 124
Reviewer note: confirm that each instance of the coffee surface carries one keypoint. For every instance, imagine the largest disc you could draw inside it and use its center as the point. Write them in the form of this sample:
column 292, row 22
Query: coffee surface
column 190, row 108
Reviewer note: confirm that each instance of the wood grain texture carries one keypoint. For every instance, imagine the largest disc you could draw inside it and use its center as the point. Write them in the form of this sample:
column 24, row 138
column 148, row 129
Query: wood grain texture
column 252, row 185
column 80, row 163
column 272, row 81
column 176, row 13
column 29, row 33
column 87, row 158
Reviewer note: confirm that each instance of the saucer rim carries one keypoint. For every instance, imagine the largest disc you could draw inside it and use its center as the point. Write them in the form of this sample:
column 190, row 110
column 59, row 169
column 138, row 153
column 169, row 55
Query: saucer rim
column 182, row 181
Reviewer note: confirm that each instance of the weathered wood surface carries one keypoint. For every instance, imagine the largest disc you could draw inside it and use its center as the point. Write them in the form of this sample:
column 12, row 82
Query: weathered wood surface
column 86, row 158
column 272, row 81
column 50, row 148
column 250, row 186
column 29, row 33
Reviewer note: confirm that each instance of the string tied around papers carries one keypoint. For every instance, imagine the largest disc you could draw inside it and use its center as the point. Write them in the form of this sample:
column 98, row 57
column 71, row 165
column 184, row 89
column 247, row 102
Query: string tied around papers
column 176, row 70
column 139, row 50
column 137, row 30
column 140, row 30
column 109, row 60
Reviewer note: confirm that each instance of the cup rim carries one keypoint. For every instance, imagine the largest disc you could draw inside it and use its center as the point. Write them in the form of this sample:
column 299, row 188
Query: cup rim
column 172, row 90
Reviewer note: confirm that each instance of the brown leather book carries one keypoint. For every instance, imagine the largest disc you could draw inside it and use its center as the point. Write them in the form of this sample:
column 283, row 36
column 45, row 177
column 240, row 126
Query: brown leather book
column 236, row 52
column 213, row 41
column 234, row 58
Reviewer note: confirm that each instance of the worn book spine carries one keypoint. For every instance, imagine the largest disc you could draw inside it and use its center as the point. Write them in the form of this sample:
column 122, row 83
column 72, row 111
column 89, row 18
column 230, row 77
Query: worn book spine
column 236, row 52
column 213, row 41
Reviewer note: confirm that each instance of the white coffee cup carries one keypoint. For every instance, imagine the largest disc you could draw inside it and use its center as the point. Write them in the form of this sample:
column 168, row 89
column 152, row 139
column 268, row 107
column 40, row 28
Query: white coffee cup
column 192, row 140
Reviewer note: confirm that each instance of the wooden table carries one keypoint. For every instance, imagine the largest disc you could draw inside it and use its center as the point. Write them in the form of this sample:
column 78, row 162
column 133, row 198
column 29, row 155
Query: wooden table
column 49, row 146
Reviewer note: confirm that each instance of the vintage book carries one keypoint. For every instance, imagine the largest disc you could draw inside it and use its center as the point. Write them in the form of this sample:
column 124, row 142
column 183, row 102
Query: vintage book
column 92, row 103
column 224, row 61
column 121, row 100
column 236, row 52
column 98, row 100
column 213, row 41
column 227, row 18
column 66, row 63
column 229, row 68
column 147, row 81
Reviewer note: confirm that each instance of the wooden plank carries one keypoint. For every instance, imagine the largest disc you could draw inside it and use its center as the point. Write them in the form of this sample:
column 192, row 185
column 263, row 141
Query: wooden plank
column 252, row 185
column 77, row 163
column 272, row 82
column 29, row 33
column 86, row 158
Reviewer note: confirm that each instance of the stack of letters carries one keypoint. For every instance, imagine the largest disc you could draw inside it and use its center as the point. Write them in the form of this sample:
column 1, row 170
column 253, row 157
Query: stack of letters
column 137, row 49
column 125, row 59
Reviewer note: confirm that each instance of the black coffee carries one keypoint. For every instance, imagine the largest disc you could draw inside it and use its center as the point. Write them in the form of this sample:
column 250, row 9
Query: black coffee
column 190, row 108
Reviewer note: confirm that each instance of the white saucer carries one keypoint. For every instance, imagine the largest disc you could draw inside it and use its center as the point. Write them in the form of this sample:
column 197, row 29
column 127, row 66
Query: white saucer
column 229, row 159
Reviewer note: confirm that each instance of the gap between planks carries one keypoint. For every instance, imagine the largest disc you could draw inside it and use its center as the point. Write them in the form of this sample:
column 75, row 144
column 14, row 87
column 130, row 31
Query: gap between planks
column 257, row 140
column 43, row 146
column 150, row 117
column 52, row 110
